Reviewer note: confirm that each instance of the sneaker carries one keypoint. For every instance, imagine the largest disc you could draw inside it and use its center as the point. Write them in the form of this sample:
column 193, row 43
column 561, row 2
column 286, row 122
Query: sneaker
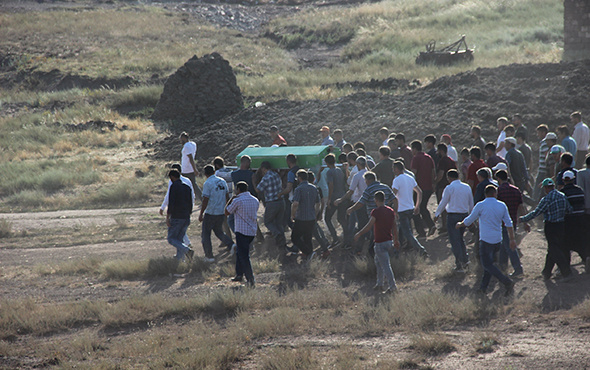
column 546, row 276
column 233, row 250
column 237, row 279
column 432, row 231
column 509, row 289
column 459, row 270
column 310, row 257
column 389, row 291
column 209, row 259
column 517, row 273
column 190, row 254
column 292, row 249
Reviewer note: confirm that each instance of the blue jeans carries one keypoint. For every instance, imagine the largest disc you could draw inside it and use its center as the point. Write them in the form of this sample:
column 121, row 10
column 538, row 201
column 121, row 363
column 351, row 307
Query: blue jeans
column 341, row 217
column 456, row 238
column 176, row 233
column 274, row 214
column 383, row 263
column 231, row 221
column 506, row 252
column 243, row 266
column 486, row 253
column 405, row 228
column 213, row 223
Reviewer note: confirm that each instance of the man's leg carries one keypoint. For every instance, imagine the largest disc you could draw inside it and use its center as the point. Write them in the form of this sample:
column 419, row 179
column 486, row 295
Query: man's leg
column 424, row 212
column 555, row 235
column 306, row 235
column 297, row 234
column 319, row 235
column 243, row 257
column 218, row 230
column 456, row 238
column 486, row 251
column 273, row 220
column 176, row 232
column 537, row 191
column 328, row 219
column 418, row 222
column 198, row 193
column 507, row 253
column 207, row 227
column 383, row 263
column 406, row 230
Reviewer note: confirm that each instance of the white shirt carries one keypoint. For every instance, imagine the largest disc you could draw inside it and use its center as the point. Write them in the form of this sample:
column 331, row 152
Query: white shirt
column 189, row 148
column 582, row 136
column 457, row 198
column 490, row 212
column 358, row 185
column 385, row 142
column 452, row 153
column 353, row 172
column 404, row 185
column 186, row 181
column 501, row 138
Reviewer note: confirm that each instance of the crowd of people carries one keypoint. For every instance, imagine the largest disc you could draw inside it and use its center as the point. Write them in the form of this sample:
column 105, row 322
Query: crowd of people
column 382, row 204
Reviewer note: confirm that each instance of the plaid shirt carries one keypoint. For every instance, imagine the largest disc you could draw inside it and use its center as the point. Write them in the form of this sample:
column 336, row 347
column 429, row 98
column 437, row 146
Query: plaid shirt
column 512, row 196
column 244, row 207
column 271, row 185
column 368, row 198
column 307, row 196
column 554, row 206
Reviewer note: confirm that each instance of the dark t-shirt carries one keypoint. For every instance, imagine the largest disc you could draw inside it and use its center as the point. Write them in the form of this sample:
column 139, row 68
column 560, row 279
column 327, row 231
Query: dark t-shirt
column 246, row 176
column 445, row 164
column 384, row 221
column 518, row 169
column 423, row 164
column 338, row 179
column 384, row 171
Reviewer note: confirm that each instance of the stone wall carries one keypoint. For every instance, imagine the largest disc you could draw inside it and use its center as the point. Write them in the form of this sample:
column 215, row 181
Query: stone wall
column 576, row 29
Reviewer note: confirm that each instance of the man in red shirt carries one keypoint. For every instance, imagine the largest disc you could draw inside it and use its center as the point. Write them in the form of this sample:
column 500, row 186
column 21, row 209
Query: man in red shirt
column 386, row 237
column 476, row 164
column 423, row 167
column 277, row 139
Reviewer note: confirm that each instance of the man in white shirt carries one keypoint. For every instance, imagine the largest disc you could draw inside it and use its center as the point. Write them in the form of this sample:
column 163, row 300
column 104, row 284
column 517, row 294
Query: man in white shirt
column 457, row 200
column 404, row 186
column 187, row 162
column 451, row 150
column 581, row 135
column 501, row 124
column 187, row 181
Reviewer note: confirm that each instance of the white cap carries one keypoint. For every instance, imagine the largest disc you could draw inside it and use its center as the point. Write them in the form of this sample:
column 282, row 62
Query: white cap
column 569, row 175
column 500, row 166
column 550, row 136
column 511, row 140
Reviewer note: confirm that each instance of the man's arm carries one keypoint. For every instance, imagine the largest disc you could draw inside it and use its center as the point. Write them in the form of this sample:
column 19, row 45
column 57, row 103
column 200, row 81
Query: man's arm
column 443, row 203
column 439, row 176
column 204, row 204
column 418, row 192
column 345, row 196
column 395, row 231
column 166, row 199
column 228, row 208
column 287, row 190
column 365, row 229
column 512, row 238
column 192, row 162
column 358, row 205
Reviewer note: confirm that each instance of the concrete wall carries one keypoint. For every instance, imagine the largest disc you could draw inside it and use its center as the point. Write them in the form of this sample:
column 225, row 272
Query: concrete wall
column 576, row 29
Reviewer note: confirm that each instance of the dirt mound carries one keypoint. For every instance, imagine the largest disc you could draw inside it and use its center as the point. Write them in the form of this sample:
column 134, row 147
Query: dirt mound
column 541, row 93
column 201, row 91
column 387, row 84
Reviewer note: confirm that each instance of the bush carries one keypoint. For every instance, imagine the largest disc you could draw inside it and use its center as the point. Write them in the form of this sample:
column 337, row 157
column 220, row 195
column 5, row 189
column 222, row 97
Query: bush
column 432, row 345
column 5, row 228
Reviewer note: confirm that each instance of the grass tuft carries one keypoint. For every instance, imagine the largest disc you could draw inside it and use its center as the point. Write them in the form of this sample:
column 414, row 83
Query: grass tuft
column 432, row 345
column 5, row 228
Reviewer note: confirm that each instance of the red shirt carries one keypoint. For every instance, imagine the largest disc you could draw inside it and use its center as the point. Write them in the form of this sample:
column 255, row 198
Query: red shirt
column 472, row 172
column 384, row 221
column 445, row 164
column 424, row 165
column 279, row 141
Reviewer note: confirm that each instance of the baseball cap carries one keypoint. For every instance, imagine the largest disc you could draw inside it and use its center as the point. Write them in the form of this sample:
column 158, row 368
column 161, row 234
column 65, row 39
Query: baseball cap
column 447, row 136
column 511, row 140
column 325, row 128
column 548, row 182
column 569, row 175
column 556, row 149
column 551, row 136
column 500, row 166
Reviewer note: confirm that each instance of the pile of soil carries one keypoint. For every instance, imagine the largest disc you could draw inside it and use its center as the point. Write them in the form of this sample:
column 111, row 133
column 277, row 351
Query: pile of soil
column 203, row 90
column 541, row 93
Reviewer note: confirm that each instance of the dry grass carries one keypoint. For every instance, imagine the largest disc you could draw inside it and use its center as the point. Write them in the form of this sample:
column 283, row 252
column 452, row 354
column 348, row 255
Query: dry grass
column 432, row 344
column 486, row 343
column 5, row 228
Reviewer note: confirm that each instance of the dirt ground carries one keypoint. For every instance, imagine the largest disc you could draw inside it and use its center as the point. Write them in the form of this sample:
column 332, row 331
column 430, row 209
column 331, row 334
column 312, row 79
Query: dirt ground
column 550, row 336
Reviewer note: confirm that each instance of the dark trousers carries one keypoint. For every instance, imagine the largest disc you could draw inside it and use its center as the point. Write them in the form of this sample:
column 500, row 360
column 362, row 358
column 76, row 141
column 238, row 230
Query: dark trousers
column 213, row 223
column 456, row 238
column 576, row 227
column 301, row 235
column 198, row 193
column 556, row 249
column 320, row 236
column 287, row 215
column 330, row 211
column 423, row 219
column 507, row 253
column 486, row 253
column 243, row 266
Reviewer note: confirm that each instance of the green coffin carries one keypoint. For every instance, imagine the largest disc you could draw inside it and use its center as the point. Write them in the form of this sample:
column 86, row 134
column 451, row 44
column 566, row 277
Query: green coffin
column 307, row 156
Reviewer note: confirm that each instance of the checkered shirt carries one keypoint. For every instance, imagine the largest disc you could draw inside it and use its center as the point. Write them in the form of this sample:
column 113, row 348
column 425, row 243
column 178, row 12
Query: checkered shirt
column 271, row 186
column 554, row 206
column 512, row 196
column 244, row 207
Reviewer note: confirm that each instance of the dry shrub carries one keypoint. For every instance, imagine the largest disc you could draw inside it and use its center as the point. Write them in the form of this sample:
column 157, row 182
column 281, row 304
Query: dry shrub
column 486, row 343
column 279, row 321
column 124, row 269
column 583, row 309
column 265, row 266
column 73, row 267
column 432, row 345
column 5, row 228
column 280, row 358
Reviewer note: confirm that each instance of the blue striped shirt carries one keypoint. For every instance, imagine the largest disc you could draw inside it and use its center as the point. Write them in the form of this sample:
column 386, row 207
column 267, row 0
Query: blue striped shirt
column 368, row 198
